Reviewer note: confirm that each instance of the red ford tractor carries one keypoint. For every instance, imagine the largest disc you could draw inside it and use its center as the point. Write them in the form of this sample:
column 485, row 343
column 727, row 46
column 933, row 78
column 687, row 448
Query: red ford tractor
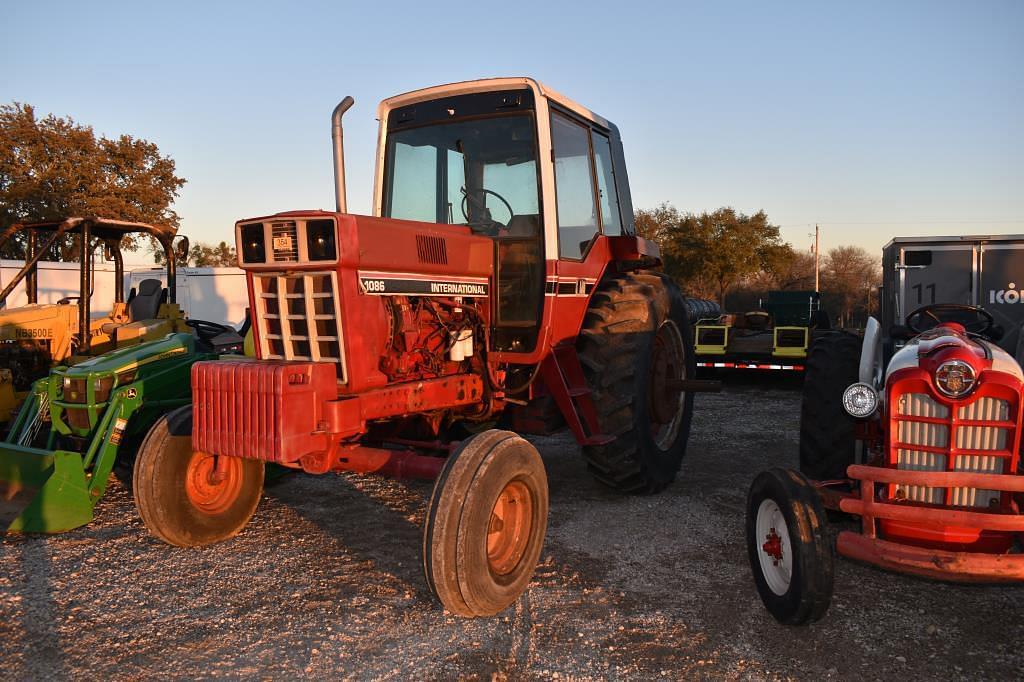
column 499, row 279
column 924, row 449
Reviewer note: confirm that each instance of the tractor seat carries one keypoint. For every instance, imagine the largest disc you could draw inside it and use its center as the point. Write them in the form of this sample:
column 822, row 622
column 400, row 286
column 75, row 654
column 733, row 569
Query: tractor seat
column 143, row 304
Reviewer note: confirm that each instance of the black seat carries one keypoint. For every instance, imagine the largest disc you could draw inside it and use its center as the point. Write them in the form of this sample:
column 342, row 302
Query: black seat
column 144, row 304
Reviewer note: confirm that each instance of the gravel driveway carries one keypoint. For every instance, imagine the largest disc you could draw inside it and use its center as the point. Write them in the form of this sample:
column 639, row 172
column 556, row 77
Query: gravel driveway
column 326, row 582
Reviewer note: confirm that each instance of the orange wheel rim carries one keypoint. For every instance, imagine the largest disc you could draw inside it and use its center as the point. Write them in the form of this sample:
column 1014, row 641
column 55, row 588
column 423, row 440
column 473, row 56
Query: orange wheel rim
column 508, row 533
column 212, row 482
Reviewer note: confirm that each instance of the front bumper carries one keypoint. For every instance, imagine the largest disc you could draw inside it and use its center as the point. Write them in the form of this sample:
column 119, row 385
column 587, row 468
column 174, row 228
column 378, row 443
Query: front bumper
column 928, row 562
column 961, row 567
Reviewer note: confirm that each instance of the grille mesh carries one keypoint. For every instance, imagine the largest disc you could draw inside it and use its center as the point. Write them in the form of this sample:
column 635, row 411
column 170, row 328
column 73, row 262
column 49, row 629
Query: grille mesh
column 937, row 435
column 284, row 241
column 299, row 318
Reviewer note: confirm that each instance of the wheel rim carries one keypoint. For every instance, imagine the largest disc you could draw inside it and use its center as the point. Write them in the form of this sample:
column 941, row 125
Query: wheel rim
column 508, row 532
column 665, row 401
column 213, row 483
column 774, row 550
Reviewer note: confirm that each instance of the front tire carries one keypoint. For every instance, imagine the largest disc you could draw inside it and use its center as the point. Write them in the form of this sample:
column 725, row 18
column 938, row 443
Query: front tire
column 486, row 523
column 788, row 547
column 189, row 498
column 635, row 342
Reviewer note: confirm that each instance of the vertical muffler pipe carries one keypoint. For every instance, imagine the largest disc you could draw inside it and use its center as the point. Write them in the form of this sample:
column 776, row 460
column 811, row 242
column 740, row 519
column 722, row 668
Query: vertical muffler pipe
column 339, row 153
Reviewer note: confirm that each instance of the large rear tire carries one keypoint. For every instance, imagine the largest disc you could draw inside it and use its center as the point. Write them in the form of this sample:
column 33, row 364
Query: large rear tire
column 189, row 498
column 788, row 546
column 636, row 340
column 827, row 438
column 486, row 523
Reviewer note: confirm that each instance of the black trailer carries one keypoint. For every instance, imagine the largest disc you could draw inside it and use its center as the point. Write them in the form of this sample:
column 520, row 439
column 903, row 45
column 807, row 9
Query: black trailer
column 986, row 271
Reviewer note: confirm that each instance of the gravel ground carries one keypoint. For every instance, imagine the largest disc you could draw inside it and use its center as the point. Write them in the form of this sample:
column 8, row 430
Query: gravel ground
column 326, row 582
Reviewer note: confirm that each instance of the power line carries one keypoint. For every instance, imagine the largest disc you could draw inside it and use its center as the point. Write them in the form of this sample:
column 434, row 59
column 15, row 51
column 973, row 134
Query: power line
column 910, row 222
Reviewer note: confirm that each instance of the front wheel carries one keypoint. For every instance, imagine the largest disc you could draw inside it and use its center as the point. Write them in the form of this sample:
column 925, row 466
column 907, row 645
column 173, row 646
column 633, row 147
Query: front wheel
column 486, row 523
column 788, row 547
column 190, row 498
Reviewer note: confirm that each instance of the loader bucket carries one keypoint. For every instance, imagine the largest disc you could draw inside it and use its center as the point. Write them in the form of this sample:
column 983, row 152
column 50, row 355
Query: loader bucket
column 42, row 491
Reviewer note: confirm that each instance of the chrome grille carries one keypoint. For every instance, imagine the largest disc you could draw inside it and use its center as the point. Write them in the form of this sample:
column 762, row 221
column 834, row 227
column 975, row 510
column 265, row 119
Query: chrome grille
column 300, row 318
column 937, row 435
column 284, row 241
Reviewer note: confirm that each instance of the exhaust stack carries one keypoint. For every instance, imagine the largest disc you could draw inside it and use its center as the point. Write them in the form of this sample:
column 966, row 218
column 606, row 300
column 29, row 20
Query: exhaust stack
column 341, row 204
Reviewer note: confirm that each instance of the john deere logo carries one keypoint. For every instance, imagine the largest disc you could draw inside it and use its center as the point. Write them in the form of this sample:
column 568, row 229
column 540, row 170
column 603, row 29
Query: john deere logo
column 1007, row 295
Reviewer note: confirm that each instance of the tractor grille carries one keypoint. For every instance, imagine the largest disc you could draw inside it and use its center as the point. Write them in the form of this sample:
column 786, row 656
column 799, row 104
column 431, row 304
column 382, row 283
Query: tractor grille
column 284, row 241
column 923, row 435
column 299, row 318
column 77, row 417
column 75, row 390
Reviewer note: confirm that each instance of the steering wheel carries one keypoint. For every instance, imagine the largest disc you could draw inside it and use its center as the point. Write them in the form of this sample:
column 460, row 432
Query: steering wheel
column 207, row 331
column 948, row 312
column 488, row 224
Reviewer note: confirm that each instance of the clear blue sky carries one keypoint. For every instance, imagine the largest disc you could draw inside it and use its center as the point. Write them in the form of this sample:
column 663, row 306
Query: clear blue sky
column 872, row 118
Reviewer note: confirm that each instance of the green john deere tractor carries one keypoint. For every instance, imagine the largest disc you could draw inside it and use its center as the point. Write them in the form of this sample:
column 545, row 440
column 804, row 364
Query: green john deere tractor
column 70, row 433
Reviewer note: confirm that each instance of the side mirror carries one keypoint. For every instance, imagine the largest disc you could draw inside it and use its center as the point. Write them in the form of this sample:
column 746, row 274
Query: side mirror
column 899, row 332
column 181, row 250
column 995, row 332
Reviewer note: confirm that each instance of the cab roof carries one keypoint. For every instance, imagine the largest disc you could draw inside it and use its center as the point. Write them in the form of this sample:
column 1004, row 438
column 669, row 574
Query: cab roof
column 489, row 85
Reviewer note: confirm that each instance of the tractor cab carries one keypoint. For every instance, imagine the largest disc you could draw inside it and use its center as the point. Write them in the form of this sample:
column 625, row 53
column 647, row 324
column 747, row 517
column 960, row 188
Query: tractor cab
column 541, row 176
column 36, row 336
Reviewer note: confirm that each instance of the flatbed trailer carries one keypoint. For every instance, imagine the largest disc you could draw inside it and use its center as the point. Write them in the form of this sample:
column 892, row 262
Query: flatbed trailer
column 775, row 338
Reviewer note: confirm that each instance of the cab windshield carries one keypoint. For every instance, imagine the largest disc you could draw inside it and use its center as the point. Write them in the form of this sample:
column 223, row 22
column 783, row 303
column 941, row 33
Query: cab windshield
column 480, row 172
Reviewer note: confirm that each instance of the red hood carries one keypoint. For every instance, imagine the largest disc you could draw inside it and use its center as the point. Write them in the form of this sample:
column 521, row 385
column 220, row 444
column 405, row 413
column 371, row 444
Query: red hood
column 949, row 341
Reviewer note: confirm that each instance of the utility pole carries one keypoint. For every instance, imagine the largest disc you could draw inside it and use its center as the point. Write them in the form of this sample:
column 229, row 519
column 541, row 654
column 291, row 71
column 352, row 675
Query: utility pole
column 816, row 271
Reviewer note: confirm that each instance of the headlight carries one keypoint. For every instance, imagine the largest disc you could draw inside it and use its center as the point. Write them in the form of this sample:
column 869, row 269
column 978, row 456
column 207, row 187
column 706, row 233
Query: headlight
column 955, row 378
column 101, row 388
column 126, row 377
column 860, row 400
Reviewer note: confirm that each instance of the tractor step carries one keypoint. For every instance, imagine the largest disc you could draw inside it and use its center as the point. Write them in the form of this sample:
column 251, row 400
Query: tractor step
column 564, row 375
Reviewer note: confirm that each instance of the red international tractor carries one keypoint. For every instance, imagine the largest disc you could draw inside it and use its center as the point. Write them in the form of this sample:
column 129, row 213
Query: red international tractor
column 924, row 449
column 499, row 280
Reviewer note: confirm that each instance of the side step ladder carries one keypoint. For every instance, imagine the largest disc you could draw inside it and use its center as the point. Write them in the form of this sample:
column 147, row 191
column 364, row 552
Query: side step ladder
column 563, row 376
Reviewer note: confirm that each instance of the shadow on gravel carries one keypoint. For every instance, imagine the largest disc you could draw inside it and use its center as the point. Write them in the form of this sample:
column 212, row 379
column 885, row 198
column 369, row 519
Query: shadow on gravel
column 41, row 650
column 378, row 520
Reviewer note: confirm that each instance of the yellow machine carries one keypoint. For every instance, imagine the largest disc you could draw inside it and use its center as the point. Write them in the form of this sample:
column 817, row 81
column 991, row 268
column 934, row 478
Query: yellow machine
column 35, row 337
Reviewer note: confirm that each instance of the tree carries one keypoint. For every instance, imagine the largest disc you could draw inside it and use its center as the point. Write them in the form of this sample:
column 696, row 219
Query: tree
column 849, row 278
column 52, row 168
column 708, row 253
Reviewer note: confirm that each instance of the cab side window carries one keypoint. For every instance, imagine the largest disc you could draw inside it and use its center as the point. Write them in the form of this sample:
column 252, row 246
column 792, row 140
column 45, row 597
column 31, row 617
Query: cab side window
column 574, row 186
column 611, row 221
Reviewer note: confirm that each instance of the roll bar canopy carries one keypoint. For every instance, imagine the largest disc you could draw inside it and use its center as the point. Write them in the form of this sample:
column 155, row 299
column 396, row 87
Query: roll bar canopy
column 111, row 232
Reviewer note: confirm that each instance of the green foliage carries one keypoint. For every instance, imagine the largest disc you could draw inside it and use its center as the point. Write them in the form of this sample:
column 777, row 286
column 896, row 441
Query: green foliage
column 201, row 255
column 709, row 253
column 728, row 255
column 849, row 278
column 52, row 168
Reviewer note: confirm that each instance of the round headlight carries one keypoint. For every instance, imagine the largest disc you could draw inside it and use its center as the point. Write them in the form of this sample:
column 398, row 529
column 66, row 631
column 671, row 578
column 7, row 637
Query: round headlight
column 955, row 378
column 860, row 400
